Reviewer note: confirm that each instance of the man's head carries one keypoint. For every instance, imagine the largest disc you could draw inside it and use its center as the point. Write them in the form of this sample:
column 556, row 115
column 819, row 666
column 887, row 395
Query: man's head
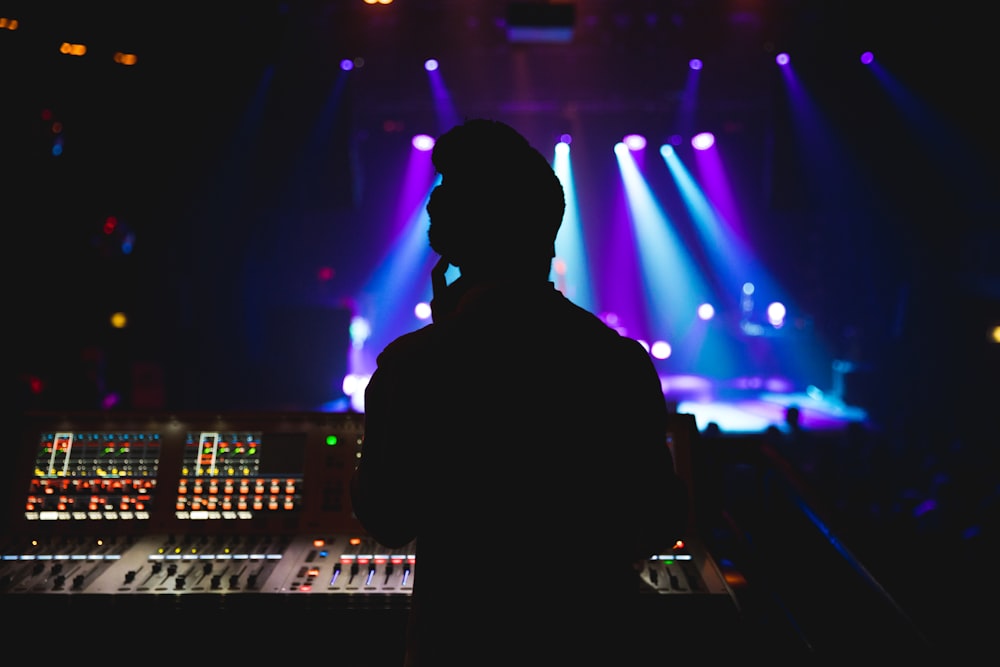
column 499, row 204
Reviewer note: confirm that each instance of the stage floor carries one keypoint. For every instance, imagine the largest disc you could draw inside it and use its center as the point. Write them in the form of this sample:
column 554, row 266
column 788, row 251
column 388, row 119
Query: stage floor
column 751, row 405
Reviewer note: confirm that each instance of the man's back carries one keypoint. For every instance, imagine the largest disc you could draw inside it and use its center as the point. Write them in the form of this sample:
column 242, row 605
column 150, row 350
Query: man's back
column 535, row 474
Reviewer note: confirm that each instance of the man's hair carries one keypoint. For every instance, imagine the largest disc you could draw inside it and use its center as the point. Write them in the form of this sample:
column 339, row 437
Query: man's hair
column 499, row 199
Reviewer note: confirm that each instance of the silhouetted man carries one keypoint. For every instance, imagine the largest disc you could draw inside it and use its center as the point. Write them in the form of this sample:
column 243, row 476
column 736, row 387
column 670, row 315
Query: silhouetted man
column 518, row 439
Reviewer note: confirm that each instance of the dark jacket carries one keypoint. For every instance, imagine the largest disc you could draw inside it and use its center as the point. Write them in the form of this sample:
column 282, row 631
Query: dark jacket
column 521, row 442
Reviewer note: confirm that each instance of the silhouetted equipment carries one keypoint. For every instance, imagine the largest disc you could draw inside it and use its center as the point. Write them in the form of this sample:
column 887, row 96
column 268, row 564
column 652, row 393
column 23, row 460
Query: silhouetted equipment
column 540, row 21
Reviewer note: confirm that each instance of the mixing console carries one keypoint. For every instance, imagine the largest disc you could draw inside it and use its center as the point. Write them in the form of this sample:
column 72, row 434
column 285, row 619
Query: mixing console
column 235, row 509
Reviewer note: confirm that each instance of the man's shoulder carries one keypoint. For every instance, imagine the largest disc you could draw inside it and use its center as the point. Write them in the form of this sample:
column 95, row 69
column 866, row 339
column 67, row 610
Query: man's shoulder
column 411, row 345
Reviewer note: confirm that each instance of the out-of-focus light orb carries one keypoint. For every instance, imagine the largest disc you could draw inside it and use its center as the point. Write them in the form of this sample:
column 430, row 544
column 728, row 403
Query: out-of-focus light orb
column 695, row 64
column 422, row 310
column 325, row 273
column 559, row 266
column 423, row 142
column 666, row 150
column 635, row 142
column 347, row 64
column 776, row 314
column 430, row 64
column 354, row 386
column 748, row 288
column 660, row 349
column 782, row 59
column 562, row 148
column 867, row 57
column 350, row 384
column 359, row 330
column 119, row 320
column 566, row 138
column 706, row 311
column 702, row 141
column 996, row 334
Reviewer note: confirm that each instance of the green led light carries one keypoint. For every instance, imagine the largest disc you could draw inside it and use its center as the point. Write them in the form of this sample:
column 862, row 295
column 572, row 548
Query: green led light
column 331, row 440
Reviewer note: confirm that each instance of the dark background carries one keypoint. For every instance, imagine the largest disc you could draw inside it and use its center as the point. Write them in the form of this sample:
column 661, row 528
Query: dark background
column 234, row 203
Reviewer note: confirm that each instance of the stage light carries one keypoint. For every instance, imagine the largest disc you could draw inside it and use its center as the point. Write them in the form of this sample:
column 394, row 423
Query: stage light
column 423, row 142
column 776, row 314
column 430, row 64
column 73, row 49
column 127, row 59
column 782, row 59
column 695, row 64
column 661, row 349
column 422, row 310
column 867, row 57
column 347, row 64
column 702, row 141
column 706, row 311
column 635, row 142
column 359, row 330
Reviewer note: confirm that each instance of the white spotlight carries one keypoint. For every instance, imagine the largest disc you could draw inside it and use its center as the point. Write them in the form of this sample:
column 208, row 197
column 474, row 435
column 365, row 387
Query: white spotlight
column 423, row 142
column 702, row 141
column 635, row 142
column 661, row 349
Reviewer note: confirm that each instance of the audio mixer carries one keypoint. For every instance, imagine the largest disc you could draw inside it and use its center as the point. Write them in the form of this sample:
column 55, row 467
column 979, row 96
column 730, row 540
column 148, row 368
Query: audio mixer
column 232, row 511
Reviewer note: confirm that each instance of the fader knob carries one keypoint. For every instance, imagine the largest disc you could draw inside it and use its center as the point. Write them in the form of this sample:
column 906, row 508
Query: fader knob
column 78, row 582
column 130, row 576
